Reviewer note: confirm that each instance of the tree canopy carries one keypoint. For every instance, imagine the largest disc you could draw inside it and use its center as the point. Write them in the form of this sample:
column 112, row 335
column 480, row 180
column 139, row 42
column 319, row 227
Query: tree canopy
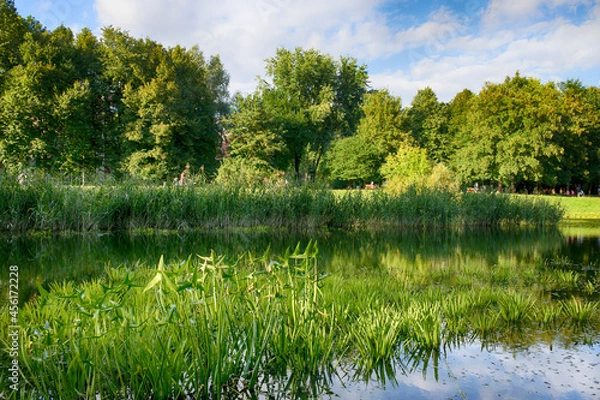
column 77, row 103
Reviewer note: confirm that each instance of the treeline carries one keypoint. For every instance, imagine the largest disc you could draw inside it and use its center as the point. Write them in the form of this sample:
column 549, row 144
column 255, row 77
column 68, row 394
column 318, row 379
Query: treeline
column 518, row 135
column 73, row 104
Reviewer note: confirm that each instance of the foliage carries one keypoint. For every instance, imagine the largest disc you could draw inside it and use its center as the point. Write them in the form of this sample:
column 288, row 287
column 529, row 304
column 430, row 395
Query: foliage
column 75, row 104
column 311, row 100
column 379, row 133
column 352, row 160
column 247, row 172
column 231, row 326
column 252, row 134
column 442, row 178
column 409, row 166
column 428, row 123
column 510, row 133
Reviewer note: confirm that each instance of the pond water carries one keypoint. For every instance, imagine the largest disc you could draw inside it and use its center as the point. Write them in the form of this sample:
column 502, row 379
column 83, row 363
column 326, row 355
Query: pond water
column 472, row 369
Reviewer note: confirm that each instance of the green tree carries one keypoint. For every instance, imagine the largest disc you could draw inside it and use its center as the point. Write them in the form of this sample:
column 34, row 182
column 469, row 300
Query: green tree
column 578, row 134
column 352, row 160
column 382, row 122
column 379, row 133
column 409, row 166
column 12, row 33
column 313, row 99
column 251, row 133
column 45, row 107
column 24, row 120
column 510, row 133
column 428, row 122
column 171, row 118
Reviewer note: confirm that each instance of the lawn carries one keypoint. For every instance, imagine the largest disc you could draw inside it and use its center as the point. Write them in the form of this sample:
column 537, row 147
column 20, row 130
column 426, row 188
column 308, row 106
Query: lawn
column 587, row 207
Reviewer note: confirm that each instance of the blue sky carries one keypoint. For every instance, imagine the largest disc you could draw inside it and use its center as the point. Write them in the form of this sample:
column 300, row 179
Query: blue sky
column 407, row 45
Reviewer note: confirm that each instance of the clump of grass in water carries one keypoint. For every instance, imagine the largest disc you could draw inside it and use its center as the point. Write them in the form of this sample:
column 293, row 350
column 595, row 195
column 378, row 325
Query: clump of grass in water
column 375, row 336
column 579, row 311
column 515, row 307
column 195, row 328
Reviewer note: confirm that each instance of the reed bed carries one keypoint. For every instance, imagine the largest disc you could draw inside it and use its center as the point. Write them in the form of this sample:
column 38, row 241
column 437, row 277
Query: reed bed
column 221, row 327
column 45, row 204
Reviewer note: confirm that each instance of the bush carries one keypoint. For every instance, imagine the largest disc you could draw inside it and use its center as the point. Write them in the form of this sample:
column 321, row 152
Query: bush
column 247, row 172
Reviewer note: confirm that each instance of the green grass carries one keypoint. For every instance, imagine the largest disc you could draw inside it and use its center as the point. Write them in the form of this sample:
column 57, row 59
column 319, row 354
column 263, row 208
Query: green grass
column 47, row 205
column 587, row 207
column 220, row 327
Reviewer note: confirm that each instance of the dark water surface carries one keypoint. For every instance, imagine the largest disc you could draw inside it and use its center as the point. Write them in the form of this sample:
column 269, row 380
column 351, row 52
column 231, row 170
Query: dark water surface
column 473, row 370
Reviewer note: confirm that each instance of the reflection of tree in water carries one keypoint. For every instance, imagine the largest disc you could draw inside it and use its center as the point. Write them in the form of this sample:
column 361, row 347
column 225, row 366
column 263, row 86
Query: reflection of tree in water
column 46, row 258
column 488, row 246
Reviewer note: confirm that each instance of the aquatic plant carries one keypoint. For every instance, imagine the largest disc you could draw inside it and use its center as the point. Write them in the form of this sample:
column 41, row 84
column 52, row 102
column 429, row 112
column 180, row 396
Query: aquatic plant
column 46, row 204
column 515, row 307
column 579, row 311
column 218, row 326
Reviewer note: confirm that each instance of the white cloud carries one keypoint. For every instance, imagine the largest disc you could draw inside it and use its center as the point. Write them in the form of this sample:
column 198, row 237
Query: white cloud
column 546, row 50
column 244, row 33
column 508, row 12
column 449, row 51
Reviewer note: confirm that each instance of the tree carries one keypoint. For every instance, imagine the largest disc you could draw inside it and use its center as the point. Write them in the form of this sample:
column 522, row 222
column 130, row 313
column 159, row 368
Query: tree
column 379, row 133
column 312, row 99
column 510, row 133
column 45, row 107
column 428, row 122
column 12, row 33
column 24, row 120
column 251, row 134
column 382, row 122
column 171, row 118
column 352, row 159
column 578, row 135
column 409, row 166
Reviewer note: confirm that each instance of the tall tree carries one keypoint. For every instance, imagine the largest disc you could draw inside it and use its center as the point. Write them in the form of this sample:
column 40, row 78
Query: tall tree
column 12, row 30
column 251, row 133
column 313, row 99
column 510, row 133
column 382, row 121
column 44, row 106
column 379, row 133
column 579, row 135
column 428, row 122
column 352, row 160
column 171, row 118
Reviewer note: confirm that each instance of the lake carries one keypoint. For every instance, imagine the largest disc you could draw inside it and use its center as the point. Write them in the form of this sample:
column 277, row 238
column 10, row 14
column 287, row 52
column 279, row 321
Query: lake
column 520, row 367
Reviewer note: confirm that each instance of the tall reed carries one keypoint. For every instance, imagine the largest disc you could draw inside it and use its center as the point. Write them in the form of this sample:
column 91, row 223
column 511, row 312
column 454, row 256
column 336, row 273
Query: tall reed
column 44, row 204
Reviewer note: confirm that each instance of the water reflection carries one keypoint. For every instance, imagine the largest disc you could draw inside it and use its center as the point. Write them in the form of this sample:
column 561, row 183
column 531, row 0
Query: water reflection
column 537, row 372
column 43, row 259
column 520, row 364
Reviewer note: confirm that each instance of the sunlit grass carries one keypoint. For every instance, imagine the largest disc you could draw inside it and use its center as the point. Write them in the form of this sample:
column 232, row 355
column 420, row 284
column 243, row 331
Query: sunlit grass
column 217, row 326
column 45, row 204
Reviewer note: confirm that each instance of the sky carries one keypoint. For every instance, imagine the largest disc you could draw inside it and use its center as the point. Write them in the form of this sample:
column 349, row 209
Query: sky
column 407, row 45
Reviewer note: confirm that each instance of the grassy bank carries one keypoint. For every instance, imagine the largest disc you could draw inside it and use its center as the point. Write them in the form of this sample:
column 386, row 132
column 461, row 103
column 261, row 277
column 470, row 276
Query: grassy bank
column 587, row 207
column 215, row 328
column 44, row 205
